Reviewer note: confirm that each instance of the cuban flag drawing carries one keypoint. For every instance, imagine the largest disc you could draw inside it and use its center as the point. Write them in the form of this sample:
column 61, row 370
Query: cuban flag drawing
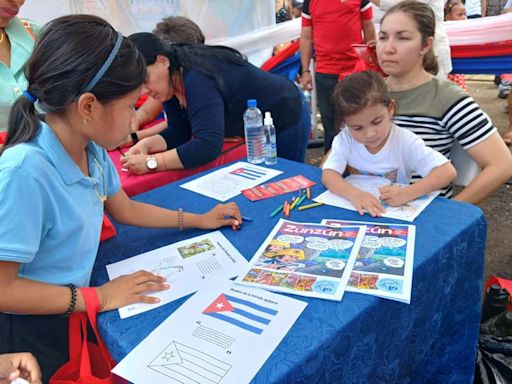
column 241, row 313
column 248, row 173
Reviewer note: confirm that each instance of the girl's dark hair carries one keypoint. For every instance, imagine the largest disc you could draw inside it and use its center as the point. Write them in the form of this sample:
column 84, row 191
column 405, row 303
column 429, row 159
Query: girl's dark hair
column 358, row 91
column 425, row 20
column 67, row 55
column 187, row 56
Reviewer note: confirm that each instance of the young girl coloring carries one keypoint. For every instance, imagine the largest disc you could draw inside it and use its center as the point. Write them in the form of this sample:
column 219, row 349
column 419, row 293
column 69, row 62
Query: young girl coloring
column 371, row 144
column 56, row 180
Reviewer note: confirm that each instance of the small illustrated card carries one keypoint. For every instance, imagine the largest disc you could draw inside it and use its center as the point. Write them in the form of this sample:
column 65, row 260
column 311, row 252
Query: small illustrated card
column 264, row 191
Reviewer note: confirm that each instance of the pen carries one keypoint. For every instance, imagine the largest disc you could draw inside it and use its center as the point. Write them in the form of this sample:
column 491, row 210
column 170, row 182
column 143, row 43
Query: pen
column 310, row 206
column 246, row 218
column 120, row 151
column 294, row 203
column 308, row 192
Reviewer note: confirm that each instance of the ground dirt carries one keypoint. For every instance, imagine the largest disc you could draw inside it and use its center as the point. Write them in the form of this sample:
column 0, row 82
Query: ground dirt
column 498, row 207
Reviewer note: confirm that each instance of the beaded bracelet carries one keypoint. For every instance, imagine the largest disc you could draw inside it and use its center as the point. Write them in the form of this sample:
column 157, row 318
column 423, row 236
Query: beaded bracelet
column 72, row 303
column 180, row 220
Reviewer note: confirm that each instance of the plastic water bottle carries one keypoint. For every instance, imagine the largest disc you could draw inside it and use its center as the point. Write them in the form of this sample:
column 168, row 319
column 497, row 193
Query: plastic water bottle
column 254, row 133
column 270, row 140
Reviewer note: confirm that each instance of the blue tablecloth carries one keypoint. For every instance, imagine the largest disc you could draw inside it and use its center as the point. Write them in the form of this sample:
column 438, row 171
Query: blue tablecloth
column 361, row 339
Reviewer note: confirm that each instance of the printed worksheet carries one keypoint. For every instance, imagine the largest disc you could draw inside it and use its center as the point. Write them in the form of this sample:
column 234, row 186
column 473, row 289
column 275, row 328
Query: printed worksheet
column 226, row 183
column 371, row 184
column 221, row 335
column 305, row 259
column 384, row 264
column 188, row 265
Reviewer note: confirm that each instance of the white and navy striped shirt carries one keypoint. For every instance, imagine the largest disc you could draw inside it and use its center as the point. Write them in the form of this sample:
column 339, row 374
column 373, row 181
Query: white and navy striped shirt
column 440, row 113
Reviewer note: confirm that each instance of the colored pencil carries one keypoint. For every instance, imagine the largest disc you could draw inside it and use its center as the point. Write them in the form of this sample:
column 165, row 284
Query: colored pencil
column 310, row 206
column 277, row 210
column 301, row 200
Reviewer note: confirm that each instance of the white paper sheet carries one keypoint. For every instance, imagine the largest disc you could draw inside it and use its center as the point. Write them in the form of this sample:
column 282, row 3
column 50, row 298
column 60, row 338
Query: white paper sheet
column 227, row 182
column 384, row 264
column 371, row 184
column 188, row 265
column 223, row 334
column 305, row 259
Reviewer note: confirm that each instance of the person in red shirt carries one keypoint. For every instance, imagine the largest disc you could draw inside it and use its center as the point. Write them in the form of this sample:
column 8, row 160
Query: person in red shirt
column 332, row 26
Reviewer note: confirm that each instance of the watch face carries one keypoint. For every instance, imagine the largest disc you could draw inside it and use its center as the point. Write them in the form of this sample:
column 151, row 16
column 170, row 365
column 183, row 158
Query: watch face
column 151, row 163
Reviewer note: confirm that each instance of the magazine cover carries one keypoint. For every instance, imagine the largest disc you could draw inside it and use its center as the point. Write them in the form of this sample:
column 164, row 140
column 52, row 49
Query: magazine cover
column 305, row 259
column 384, row 264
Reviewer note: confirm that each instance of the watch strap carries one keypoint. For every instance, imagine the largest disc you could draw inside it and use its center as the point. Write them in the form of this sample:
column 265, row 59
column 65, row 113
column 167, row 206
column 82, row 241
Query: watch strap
column 135, row 137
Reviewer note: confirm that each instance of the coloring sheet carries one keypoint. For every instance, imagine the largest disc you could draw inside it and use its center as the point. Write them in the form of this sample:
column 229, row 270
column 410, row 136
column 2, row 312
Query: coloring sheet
column 371, row 184
column 305, row 259
column 187, row 265
column 221, row 335
column 227, row 182
column 384, row 264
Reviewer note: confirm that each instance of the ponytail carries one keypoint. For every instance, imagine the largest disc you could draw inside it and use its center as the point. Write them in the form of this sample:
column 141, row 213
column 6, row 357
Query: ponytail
column 73, row 55
column 430, row 63
column 23, row 122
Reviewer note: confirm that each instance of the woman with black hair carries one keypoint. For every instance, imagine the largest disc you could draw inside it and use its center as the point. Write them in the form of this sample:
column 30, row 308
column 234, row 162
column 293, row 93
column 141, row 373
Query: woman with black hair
column 205, row 90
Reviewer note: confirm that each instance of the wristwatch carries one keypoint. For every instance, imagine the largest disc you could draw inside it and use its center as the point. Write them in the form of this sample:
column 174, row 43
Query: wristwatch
column 151, row 163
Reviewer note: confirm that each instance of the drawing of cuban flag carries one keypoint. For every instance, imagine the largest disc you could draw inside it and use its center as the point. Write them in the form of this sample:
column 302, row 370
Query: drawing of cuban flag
column 241, row 313
column 248, row 173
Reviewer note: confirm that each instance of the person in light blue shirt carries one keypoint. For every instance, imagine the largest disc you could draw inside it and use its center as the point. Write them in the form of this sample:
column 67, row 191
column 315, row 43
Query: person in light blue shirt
column 16, row 44
column 56, row 180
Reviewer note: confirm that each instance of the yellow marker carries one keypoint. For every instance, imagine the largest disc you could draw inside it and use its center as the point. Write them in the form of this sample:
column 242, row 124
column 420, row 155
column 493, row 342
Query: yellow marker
column 310, row 206
column 294, row 202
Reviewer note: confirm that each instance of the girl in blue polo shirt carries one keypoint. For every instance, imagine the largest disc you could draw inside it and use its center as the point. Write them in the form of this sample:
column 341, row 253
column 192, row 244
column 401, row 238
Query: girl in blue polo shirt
column 56, row 180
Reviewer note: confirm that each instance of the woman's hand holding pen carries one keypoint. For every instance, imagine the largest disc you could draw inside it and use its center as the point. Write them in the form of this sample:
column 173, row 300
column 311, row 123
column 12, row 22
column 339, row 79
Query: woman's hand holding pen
column 365, row 201
column 220, row 216
column 129, row 289
column 136, row 164
column 394, row 195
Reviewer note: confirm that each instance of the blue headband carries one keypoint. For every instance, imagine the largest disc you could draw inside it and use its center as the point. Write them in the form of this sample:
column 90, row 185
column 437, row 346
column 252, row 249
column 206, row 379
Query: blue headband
column 106, row 64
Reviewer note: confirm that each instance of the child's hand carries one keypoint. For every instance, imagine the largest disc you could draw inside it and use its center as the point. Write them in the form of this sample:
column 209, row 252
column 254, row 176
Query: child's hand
column 221, row 215
column 23, row 365
column 394, row 195
column 365, row 201
column 129, row 289
column 136, row 164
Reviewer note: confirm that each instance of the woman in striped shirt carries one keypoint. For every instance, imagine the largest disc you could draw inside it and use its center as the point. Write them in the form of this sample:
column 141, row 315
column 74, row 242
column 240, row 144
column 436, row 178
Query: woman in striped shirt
column 437, row 110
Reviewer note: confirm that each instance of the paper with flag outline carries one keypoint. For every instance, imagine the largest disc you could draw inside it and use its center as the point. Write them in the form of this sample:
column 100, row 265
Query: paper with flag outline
column 189, row 365
column 191, row 345
column 228, row 182
column 241, row 313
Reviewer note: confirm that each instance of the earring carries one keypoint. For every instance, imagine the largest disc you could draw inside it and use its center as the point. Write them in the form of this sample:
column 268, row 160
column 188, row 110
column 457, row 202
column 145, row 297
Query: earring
column 87, row 120
column 422, row 53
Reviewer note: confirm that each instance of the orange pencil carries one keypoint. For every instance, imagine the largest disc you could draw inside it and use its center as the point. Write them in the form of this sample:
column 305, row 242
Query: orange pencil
column 308, row 193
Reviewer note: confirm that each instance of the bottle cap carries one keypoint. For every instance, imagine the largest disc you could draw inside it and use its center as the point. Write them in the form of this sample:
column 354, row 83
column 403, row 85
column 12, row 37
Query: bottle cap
column 251, row 103
column 268, row 119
